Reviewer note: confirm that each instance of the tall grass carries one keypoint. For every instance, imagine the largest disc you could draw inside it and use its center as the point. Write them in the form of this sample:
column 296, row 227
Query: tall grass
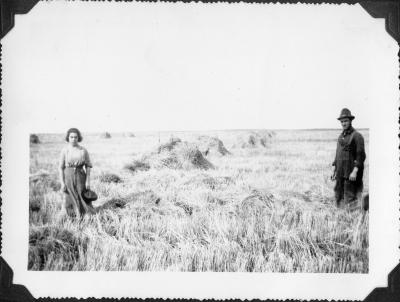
column 261, row 209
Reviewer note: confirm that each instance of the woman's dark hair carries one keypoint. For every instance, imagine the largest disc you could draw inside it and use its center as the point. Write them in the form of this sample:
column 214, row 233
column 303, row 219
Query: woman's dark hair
column 73, row 130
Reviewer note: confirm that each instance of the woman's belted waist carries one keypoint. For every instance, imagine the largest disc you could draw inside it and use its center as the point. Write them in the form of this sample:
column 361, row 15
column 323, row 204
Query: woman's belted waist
column 75, row 167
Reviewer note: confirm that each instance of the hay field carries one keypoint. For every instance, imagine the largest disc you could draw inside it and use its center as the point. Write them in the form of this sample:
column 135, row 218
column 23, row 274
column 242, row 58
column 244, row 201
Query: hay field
column 264, row 206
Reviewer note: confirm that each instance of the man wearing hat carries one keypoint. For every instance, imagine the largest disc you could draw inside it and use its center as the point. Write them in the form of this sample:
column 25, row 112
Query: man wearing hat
column 349, row 162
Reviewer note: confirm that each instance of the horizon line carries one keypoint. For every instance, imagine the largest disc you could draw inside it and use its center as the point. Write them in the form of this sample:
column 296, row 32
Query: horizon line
column 210, row 130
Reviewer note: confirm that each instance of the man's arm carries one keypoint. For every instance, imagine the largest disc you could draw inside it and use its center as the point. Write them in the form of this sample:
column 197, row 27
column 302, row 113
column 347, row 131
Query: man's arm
column 333, row 176
column 360, row 151
column 360, row 156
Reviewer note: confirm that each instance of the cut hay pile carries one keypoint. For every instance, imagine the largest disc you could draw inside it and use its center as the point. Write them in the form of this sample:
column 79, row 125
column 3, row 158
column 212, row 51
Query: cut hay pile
column 209, row 182
column 110, row 178
column 105, row 135
column 147, row 197
column 34, row 139
column 186, row 207
column 41, row 184
column 54, row 246
column 209, row 145
column 39, row 175
column 256, row 139
column 137, row 165
column 257, row 200
column 44, row 180
column 174, row 154
column 35, row 203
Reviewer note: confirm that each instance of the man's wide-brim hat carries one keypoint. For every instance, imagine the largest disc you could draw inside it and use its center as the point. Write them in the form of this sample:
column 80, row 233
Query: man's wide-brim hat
column 346, row 113
column 89, row 196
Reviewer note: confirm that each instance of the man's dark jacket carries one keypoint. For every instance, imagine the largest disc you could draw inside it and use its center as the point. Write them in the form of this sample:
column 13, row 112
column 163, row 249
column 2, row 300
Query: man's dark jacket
column 350, row 153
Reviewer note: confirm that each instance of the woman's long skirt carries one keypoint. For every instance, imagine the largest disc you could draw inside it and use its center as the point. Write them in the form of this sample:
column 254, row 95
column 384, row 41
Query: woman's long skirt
column 75, row 179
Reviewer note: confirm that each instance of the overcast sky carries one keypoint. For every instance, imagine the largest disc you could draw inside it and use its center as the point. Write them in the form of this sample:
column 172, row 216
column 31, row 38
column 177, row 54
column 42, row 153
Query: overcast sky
column 159, row 66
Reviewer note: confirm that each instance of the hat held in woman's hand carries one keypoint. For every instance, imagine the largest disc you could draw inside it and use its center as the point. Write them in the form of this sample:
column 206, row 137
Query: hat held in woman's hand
column 88, row 195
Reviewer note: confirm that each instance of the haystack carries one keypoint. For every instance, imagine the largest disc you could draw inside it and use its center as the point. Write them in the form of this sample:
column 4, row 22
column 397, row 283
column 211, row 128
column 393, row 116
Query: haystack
column 179, row 155
column 256, row 139
column 175, row 154
column 105, row 135
column 173, row 141
column 211, row 146
column 34, row 139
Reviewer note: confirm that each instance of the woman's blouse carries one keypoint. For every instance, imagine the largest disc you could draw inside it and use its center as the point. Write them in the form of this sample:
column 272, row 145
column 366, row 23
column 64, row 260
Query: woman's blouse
column 74, row 157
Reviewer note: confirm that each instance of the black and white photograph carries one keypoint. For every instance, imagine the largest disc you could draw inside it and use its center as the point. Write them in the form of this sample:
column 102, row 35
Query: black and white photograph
column 228, row 145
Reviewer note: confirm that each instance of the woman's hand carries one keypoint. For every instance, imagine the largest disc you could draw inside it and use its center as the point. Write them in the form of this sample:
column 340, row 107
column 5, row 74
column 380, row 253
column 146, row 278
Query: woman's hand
column 63, row 188
column 87, row 182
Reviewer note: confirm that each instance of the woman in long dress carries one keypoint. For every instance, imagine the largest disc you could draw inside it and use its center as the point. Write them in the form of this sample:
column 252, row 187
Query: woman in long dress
column 74, row 169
